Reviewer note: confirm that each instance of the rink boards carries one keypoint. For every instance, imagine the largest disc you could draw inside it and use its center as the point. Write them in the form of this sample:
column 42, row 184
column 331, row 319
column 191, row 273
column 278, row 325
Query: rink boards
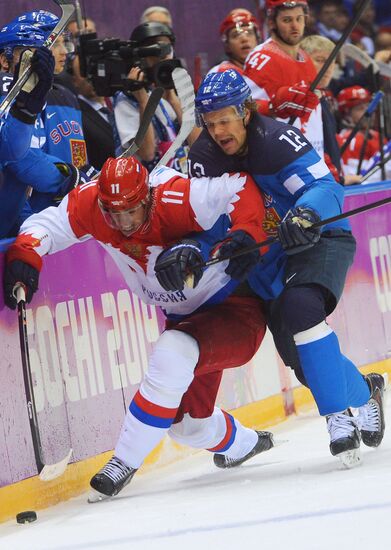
column 89, row 342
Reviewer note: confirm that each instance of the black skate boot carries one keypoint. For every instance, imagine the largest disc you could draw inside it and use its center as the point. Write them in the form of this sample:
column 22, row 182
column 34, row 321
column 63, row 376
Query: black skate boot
column 111, row 479
column 344, row 438
column 371, row 415
column 264, row 443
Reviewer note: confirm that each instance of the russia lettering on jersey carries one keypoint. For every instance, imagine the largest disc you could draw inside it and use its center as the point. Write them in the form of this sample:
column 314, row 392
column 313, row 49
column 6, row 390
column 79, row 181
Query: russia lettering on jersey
column 268, row 68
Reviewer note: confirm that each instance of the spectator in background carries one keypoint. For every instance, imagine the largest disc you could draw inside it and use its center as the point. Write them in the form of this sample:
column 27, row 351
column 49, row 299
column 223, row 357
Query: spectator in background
column 239, row 32
column 383, row 42
column 157, row 14
column 342, row 19
column 88, row 26
column 365, row 32
column 327, row 19
column 129, row 105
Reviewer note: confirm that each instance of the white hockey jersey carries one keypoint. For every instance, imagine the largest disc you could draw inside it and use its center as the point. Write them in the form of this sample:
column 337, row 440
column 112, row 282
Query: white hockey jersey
column 179, row 206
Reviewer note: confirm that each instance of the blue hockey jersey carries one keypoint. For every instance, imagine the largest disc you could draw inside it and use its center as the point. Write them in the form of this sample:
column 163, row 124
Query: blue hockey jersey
column 289, row 173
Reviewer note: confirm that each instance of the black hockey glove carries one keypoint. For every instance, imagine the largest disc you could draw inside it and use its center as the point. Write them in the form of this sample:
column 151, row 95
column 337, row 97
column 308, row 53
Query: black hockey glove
column 19, row 272
column 73, row 177
column 175, row 265
column 295, row 232
column 32, row 97
column 238, row 268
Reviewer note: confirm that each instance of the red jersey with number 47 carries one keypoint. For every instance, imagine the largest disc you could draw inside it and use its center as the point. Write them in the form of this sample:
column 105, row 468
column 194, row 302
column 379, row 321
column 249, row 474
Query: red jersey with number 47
column 268, row 68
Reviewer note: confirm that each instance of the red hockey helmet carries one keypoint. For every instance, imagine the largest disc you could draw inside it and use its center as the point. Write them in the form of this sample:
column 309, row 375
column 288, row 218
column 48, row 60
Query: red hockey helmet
column 238, row 19
column 272, row 5
column 352, row 96
column 122, row 189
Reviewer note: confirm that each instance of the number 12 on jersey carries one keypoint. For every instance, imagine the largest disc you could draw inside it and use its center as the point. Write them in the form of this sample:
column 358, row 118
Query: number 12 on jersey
column 295, row 140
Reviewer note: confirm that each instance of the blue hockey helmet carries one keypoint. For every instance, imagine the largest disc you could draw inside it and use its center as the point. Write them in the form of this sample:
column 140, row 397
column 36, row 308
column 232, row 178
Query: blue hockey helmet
column 220, row 90
column 41, row 18
column 30, row 29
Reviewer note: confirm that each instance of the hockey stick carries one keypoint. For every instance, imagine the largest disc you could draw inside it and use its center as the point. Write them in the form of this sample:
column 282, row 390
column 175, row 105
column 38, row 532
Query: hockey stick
column 46, row 472
column 150, row 109
column 67, row 9
column 375, row 168
column 337, row 48
column 368, row 113
column 357, row 54
column 273, row 240
column 185, row 91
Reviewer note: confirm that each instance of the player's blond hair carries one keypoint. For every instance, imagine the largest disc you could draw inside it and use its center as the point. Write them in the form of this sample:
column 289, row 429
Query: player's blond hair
column 315, row 43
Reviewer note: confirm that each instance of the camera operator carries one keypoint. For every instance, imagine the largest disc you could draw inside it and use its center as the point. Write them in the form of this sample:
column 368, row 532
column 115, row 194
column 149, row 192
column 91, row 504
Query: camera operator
column 129, row 105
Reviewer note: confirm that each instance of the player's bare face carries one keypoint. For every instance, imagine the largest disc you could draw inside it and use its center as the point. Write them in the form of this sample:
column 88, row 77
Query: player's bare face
column 319, row 58
column 60, row 54
column 290, row 25
column 241, row 41
column 357, row 112
column 227, row 129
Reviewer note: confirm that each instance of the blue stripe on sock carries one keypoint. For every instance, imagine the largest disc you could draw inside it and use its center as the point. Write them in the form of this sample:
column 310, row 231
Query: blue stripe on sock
column 149, row 419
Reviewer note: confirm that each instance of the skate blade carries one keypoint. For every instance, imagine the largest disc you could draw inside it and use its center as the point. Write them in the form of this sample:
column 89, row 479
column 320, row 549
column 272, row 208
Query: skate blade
column 350, row 459
column 95, row 496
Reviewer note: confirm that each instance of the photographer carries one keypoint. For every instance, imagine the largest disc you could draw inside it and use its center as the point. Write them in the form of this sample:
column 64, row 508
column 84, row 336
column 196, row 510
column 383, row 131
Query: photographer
column 129, row 105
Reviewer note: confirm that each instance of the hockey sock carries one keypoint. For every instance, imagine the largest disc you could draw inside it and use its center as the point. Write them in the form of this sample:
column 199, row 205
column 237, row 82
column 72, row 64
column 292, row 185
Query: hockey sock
column 323, row 369
column 154, row 406
column 358, row 390
column 220, row 433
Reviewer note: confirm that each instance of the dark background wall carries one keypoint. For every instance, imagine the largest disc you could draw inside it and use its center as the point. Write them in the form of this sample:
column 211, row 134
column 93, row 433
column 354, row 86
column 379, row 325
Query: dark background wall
column 195, row 22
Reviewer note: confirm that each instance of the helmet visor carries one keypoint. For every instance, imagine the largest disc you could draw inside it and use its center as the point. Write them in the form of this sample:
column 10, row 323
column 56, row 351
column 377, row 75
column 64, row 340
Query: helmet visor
column 128, row 221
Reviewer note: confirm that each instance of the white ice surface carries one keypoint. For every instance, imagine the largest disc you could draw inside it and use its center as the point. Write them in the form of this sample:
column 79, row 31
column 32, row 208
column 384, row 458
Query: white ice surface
column 294, row 497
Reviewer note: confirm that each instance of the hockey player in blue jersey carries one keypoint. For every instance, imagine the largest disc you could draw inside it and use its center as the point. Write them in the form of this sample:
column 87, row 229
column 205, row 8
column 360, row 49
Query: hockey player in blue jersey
column 17, row 130
column 301, row 277
column 54, row 149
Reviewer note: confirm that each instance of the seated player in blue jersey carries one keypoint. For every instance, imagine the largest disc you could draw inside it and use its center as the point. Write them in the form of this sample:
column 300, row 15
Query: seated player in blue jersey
column 301, row 277
column 17, row 128
column 25, row 175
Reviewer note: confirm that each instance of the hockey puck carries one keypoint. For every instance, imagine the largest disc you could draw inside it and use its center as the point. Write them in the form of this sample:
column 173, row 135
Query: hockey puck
column 26, row 517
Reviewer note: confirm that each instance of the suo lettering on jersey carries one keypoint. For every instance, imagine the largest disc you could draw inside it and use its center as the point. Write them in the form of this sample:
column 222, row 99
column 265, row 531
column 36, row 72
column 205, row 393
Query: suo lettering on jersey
column 64, row 129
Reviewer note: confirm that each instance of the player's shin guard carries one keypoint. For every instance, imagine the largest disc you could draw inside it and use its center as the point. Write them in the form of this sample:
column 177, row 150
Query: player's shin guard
column 331, row 380
column 154, row 406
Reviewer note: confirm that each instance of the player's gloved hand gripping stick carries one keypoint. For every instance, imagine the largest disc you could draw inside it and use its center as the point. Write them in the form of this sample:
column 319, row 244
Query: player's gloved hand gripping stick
column 306, row 224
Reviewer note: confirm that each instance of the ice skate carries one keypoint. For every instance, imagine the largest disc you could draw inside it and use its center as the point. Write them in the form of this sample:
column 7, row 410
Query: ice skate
column 371, row 415
column 110, row 480
column 264, row 443
column 344, row 438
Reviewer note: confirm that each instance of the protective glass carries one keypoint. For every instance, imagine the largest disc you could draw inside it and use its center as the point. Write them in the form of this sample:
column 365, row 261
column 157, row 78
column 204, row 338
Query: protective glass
column 127, row 221
column 240, row 29
column 226, row 120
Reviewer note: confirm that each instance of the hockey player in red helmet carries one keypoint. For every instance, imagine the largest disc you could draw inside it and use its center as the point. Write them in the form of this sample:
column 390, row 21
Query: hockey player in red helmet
column 145, row 235
column 350, row 98
column 279, row 72
column 240, row 34
column 123, row 194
